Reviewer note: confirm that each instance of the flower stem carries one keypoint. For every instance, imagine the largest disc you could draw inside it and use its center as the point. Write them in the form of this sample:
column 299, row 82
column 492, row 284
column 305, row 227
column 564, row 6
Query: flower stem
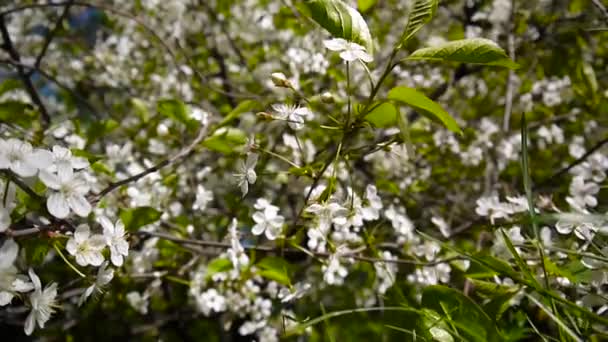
column 58, row 249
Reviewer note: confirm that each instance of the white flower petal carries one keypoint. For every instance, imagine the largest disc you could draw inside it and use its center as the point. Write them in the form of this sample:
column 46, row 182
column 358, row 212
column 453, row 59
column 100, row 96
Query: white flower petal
column 58, row 205
column 30, row 323
column 336, row 44
column 80, row 205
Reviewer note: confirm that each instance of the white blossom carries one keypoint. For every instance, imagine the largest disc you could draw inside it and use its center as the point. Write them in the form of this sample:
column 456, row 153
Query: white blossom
column 268, row 221
column 104, row 276
column 138, row 302
column 21, row 158
column 42, row 303
column 236, row 252
column 10, row 281
column 246, row 172
column 295, row 115
column 86, row 247
column 349, row 51
column 67, row 192
column 114, row 235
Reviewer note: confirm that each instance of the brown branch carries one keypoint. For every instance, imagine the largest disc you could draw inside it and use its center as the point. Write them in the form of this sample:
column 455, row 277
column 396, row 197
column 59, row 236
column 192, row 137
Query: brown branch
column 51, row 35
column 563, row 171
column 8, row 46
column 272, row 249
column 164, row 163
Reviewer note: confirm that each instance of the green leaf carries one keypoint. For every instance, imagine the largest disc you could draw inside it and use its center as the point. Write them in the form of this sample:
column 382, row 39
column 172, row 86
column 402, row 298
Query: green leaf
column 140, row 109
column 8, row 85
column 383, row 115
column 218, row 265
column 136, row 218
column 243, row 107
column 36, row 250
column 461, row 312
column 474, row 51
column 225, row 140
column 340, row 20
column 365, row 5
column 424, row 105
column 177, row 111
column 422, row 12
column 18, row 113
column 275, row 268
column 100, row 128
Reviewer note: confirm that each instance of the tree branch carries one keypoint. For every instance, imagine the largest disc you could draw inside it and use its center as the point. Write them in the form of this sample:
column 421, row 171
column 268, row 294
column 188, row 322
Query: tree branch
column 164, row 163
column 8, row 46
column 271, row 249
column 561, row 172
column 51, row 35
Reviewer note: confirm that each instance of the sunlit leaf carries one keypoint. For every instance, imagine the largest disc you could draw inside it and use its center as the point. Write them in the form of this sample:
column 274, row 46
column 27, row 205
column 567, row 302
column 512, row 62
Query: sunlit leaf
column 421, row 13
column 341, row 20
column 474, row 51
column 424, row 105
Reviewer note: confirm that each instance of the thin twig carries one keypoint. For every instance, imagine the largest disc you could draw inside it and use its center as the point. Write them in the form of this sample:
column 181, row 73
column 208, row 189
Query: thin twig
column 601, row 8
column 164, row 163
column 270, row 249
column 51, row 35
column 511, row 76
column 563, row 171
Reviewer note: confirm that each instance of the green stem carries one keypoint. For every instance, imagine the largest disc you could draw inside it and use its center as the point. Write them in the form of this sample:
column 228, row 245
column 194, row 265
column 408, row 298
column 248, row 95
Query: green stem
column 56, row 246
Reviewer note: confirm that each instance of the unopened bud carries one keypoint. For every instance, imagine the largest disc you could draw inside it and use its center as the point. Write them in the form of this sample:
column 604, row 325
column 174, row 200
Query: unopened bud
column 327, row 97
column 264, row 116
column 280, row 80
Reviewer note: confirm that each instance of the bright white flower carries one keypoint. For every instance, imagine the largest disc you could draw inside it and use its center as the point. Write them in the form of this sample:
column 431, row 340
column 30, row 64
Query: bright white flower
column 211, row 301
column 334, row 273
column 372, row 210
column 7, row 204
column 268, row 221
column 492, row 207
column 19, row 157
column 138, row 302
column 86, row 248
column 69, row 193
column 246, row 172
column 328, row 213
column 10, row 281
column 583, row 194
column 295, row 115
column 65, row 163
column 236, row 252
column 42, row 303
column 443, row 226
column 349, row 51
column 114, row 235
column 104, row 276
column 203, row 197
column 287, row 295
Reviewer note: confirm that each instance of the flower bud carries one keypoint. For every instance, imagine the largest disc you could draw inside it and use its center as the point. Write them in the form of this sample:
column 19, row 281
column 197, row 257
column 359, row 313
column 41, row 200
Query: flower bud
column 264, row 116
column 280, row 80
column 327, row 97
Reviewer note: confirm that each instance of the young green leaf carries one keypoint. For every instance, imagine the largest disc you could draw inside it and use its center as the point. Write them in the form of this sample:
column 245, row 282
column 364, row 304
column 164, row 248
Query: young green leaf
column 218, row 265
column 383, row 115
column 422, row 12
column 177, row 111
column 460, row 311
column 275, row 268
column 474, row 51
column 340, row 20
column 136, row 218
column 424, row 105
column 225, row 140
